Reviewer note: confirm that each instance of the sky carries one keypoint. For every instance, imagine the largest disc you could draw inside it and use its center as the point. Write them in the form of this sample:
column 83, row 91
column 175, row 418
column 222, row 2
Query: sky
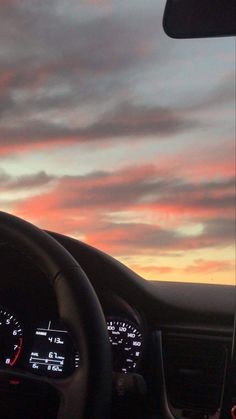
column 115, row 134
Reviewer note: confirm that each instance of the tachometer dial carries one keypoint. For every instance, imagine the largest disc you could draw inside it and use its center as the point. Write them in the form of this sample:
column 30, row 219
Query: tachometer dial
column 10, row 339
column 127, row 342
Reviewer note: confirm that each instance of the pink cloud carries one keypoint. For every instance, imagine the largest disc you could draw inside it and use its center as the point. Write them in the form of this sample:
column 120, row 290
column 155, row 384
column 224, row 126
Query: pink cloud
column 82, row 205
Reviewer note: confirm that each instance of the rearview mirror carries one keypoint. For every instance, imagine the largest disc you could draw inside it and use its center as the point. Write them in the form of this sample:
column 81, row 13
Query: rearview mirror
column 200, row 18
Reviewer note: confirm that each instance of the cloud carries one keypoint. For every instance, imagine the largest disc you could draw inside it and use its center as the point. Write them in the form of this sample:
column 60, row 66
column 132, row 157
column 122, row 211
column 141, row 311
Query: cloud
column 48, row 46
column 89, row 206
column 9, row 183
column 53, row 63
column 58, row 63
column 99, row 74
column 153, row 270
column 128, row 120
column 210, row 266
column 221, row 227
column 223, row 93
column 146, row 239
column 144, row 187
column 200, row 266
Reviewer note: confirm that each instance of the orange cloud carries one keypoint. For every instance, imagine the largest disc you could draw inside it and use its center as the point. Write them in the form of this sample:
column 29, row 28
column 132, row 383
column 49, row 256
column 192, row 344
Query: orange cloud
column 208, row 266
column 153, row 270
column 91, row 208
column 83, row 205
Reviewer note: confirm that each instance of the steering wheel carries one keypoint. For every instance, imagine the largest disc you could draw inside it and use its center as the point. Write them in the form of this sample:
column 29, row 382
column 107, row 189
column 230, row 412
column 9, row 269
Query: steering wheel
column 86, row 393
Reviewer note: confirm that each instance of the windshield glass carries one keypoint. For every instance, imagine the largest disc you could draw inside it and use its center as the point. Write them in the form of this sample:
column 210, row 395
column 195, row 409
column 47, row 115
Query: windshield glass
column 117, row 135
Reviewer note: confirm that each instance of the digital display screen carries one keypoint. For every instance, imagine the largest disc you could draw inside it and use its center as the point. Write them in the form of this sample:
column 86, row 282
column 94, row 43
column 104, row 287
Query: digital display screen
column 53, row 353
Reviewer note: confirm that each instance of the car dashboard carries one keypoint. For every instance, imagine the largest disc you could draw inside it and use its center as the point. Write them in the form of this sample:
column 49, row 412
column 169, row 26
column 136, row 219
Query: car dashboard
column 170, row 343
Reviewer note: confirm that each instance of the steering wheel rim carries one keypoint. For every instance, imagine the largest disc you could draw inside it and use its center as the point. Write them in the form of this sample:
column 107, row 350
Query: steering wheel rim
column 86, row 393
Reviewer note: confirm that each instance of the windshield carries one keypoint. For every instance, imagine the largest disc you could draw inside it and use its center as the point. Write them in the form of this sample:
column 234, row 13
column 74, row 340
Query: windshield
column 117, row 135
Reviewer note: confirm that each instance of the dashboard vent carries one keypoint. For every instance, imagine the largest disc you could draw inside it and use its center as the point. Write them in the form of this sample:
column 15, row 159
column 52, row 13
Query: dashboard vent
column 194, row 373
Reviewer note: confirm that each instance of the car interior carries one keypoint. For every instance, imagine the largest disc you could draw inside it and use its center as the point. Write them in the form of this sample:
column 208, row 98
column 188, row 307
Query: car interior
column 170, row 343
column 82, row 336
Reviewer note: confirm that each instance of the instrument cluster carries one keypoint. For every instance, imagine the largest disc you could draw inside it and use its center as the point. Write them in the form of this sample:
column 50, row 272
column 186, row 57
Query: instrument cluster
column 47, row 348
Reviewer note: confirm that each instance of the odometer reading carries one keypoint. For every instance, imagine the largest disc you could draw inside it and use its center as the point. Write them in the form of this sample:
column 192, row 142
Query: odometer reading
column 126, row 341
column 53, row 353
column 10, row 339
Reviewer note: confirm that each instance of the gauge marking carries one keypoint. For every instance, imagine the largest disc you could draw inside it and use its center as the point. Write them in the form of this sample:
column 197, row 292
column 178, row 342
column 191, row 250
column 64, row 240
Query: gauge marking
column 125, row 338
column 11, row 339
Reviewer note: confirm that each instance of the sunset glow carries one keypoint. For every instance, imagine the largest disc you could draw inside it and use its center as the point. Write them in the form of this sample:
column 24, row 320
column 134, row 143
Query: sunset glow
column 114, row 134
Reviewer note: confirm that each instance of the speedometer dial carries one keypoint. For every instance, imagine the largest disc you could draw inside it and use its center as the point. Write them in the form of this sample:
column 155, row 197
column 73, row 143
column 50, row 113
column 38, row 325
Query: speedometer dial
column 127, row 342
column 10, row 339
